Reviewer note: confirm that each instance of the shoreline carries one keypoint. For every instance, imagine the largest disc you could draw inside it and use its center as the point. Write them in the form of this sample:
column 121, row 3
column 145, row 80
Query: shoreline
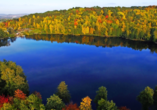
column 97, row 36
column 84, row 35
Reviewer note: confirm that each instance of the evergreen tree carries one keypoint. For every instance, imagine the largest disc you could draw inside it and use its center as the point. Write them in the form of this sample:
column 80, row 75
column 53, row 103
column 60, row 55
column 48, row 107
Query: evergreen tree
column 101, row 94
column 63, row 92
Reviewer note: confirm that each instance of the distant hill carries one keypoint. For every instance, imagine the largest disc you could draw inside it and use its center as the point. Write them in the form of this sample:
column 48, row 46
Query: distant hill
column 10, row 16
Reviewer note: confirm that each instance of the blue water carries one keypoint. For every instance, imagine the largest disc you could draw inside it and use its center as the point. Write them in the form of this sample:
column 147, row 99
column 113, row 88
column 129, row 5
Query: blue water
column 125, row 72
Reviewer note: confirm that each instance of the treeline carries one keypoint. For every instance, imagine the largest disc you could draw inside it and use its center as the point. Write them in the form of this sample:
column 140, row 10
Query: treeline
column 128, row 22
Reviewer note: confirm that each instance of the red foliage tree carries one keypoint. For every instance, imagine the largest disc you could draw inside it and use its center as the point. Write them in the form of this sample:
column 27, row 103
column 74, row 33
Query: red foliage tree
column 75, row 23
column 6, row 24
column 3, row 100
column 20, row 95
column 123, row 108
column 71, row 106
column 106, row 16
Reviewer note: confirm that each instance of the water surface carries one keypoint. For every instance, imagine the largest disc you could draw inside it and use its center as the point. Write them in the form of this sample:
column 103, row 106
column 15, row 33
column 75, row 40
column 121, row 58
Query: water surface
column 85, row 63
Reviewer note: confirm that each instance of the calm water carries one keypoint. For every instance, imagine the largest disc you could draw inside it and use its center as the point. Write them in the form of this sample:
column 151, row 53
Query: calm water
column 85, row 63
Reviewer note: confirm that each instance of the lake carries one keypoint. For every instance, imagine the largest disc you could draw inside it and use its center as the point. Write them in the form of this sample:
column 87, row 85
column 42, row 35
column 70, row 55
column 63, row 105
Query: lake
column 85, row 63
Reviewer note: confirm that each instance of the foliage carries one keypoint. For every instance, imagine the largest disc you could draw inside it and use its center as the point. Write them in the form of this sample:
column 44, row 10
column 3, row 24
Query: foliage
column 12, row 78
column 20, row 95
column 3, row 100
column 106, row 105
column 63, row 92
column 32, row 102
column 7, row 106
column 3, row 34
column 86, row 104
column 101, row 93
column 54, row 102
column 146, row 98
column 71, row 106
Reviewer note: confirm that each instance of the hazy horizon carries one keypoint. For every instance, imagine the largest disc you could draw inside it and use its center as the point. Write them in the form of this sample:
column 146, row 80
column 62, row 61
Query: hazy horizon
column 39, row 6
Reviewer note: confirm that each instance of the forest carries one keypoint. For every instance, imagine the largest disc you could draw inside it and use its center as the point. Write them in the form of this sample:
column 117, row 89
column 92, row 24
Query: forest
column 136, row 23
column 15, row 95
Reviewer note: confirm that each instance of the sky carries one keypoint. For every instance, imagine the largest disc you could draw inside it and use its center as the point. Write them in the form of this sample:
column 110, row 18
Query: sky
column 38, row 6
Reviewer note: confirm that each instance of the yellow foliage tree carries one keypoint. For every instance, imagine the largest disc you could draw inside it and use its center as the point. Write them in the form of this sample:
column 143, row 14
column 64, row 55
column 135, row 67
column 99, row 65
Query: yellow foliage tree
column 86, row 104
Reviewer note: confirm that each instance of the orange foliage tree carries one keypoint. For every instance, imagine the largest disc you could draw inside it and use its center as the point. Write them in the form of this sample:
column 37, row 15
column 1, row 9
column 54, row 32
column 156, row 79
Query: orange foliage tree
column 20, row 95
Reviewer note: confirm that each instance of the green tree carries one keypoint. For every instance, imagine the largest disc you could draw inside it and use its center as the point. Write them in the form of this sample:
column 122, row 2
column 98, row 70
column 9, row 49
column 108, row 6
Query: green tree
column 106, row 105
column 63, row 92
column 146, row 98
column 54, row 102
column 34, row 102
column 3, row 34
column 11, row 30
column 101, row 94
column 8, row 106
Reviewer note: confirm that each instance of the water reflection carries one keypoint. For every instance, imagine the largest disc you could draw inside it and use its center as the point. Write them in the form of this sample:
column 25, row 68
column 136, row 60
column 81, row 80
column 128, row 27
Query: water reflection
column 89, row 40
column 6, row 41
column 97, row 41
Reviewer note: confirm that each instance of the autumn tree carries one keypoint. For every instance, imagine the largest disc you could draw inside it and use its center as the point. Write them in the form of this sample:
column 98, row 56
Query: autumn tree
column 86, row 104
column 20, row 95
